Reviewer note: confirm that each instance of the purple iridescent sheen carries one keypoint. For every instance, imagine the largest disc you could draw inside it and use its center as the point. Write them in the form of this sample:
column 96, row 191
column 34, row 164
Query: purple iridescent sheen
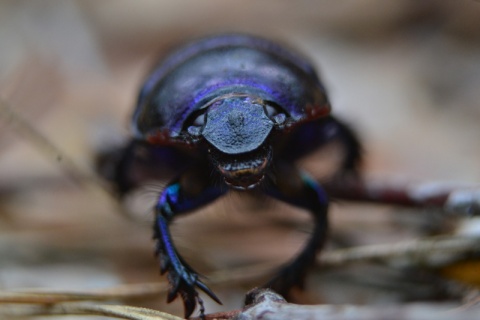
column 212, row 67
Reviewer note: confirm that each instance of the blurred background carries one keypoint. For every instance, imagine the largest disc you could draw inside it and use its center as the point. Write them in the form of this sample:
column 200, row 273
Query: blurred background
column 405, row 74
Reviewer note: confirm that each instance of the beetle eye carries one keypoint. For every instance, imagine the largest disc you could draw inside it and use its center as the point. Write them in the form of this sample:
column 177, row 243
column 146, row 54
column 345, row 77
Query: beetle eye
column 271, row 111
column 275, row 113
column 195, row 123
column 199, row 120
column 280, row 118
column 194, row 131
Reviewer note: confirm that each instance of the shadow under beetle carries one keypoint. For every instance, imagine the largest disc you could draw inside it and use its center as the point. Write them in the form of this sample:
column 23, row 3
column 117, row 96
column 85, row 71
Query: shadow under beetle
column 231, row 112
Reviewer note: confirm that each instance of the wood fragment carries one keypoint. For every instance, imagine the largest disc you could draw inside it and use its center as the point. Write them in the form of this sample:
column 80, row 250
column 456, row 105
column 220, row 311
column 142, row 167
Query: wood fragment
column 268, row 305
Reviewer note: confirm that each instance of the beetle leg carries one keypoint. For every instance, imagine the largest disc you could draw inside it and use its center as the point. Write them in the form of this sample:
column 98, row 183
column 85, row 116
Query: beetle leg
column 300, row 190
column 348, row 138
column 182, row 278
column 131, row 165
column 313, row 135
column 115, row 166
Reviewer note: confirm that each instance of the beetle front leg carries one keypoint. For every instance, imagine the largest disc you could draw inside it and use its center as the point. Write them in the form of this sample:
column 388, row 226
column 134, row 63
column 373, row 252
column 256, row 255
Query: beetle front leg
column 132, row 165
column 315, row 134
column 302, row 191
column 352, row 145
column 182, row 278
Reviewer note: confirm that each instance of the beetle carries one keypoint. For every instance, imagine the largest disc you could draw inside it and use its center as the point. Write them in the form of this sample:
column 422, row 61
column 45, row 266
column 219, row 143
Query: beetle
column 231, row 112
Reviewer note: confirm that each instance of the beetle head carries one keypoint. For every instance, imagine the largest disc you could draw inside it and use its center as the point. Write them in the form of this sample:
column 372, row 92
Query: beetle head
column 237, row 128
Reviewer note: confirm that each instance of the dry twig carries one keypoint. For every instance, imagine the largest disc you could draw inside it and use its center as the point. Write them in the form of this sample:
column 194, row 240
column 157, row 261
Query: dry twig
column 458, row 198
column 114, row 311
column 431, row 252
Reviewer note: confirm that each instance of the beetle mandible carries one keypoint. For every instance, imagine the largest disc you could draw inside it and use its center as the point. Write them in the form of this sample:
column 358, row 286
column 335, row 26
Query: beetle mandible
column 246, row 109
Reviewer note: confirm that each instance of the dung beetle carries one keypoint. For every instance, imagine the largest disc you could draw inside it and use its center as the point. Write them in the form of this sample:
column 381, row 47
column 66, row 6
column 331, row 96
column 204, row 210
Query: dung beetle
column 231, row 112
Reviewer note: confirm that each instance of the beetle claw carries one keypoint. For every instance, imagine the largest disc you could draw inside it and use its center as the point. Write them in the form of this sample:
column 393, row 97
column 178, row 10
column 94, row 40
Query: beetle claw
column 183, row 282
column 185, row 287
column 188, row 304
column 209, row 292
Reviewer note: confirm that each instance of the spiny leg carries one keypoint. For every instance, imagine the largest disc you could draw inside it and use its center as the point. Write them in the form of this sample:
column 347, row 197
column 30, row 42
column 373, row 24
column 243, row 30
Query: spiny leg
column 315, row 134
column 300, row 190
column 177, row 199
column 131, row 165
column 350, row 142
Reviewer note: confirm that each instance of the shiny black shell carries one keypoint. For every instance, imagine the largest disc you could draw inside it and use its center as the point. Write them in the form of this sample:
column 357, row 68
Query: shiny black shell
column 204, row 70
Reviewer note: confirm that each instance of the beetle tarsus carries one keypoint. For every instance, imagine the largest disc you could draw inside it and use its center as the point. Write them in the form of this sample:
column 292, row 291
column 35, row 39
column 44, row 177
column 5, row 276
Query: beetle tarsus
column 183, row 280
